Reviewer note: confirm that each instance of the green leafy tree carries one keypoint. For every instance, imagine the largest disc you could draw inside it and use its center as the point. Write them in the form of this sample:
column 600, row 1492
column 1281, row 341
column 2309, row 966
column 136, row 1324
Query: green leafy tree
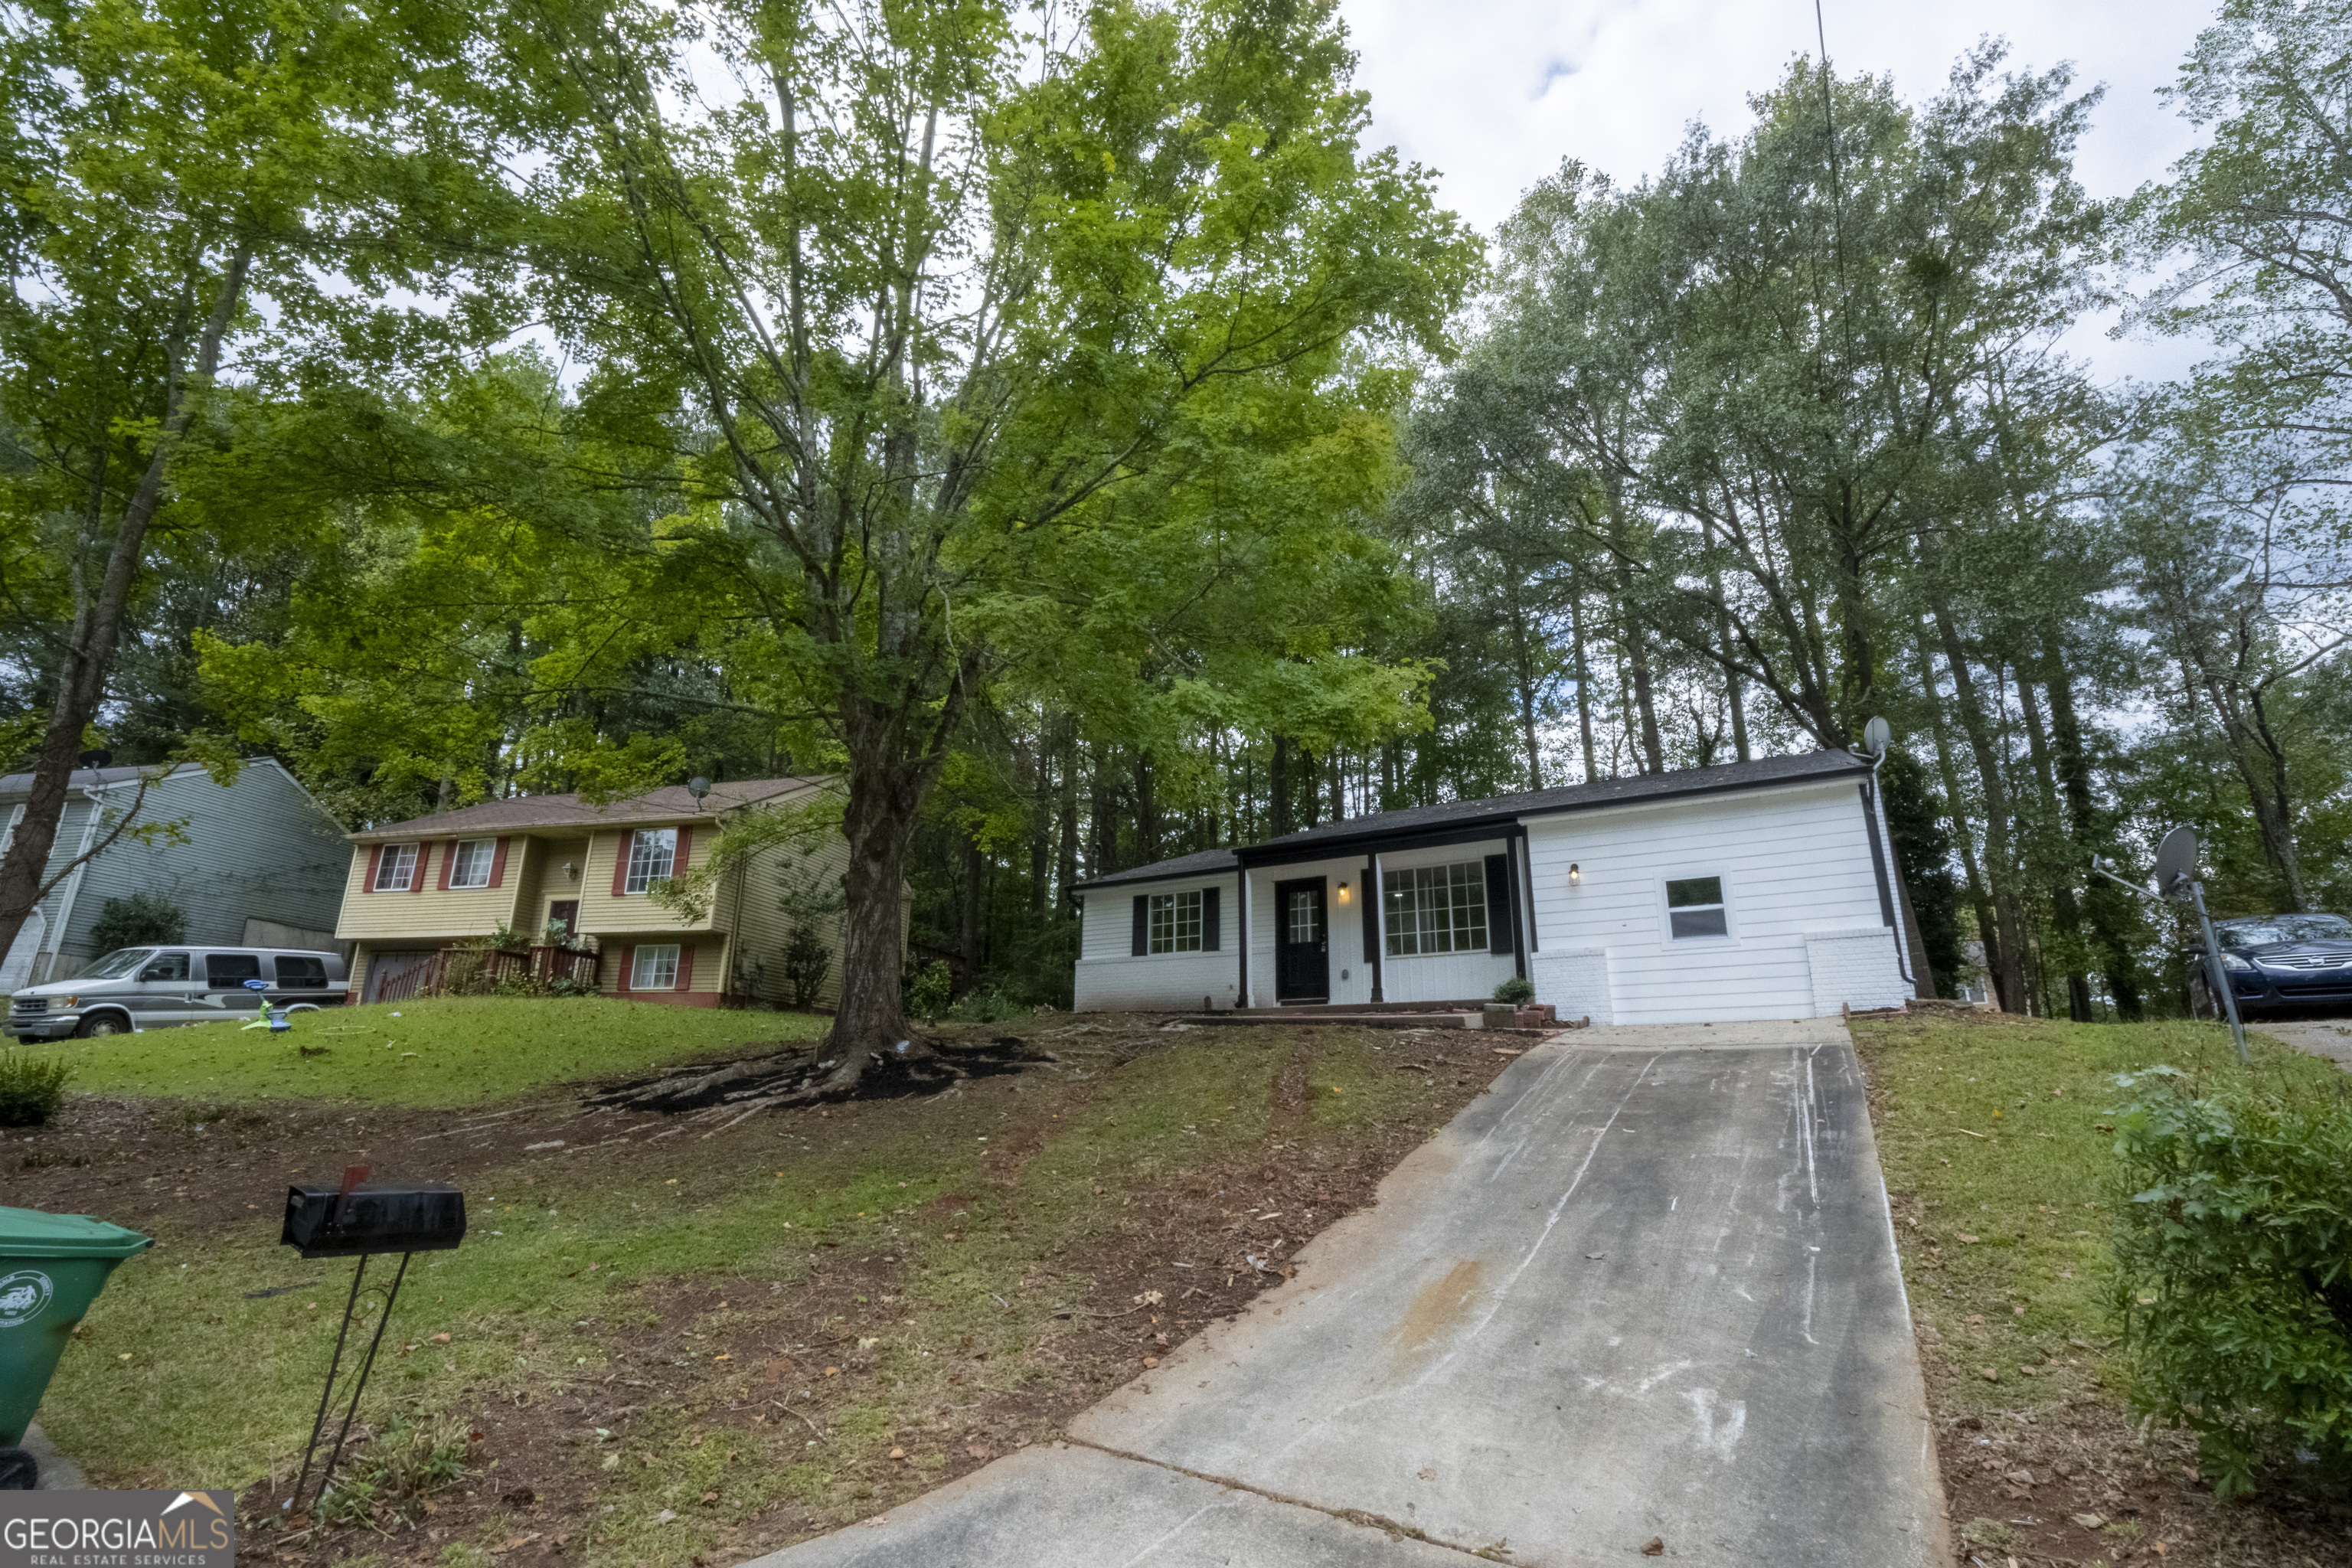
column 190, row 195
column 946, row 338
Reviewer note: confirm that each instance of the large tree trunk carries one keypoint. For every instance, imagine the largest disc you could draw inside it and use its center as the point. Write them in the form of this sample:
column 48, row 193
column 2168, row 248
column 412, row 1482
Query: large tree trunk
column 1278, row 789
column 2110, row 912
column 2008, row 924
column 1645, row 701
column 2064, row 909
column 877, row 823
column 1524, row 677
column 98, row 624
column 1583, row 683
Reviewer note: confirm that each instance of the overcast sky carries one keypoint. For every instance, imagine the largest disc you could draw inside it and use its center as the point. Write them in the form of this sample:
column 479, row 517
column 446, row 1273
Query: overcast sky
column 1493, row 94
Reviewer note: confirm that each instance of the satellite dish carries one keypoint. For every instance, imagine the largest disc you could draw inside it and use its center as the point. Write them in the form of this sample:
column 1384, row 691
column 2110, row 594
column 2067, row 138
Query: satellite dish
column 1876, row 736
column 2176, row 864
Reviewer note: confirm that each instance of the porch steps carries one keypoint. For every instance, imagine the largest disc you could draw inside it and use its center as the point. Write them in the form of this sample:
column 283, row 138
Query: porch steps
column 1321, row 1009
column 1361, row 1018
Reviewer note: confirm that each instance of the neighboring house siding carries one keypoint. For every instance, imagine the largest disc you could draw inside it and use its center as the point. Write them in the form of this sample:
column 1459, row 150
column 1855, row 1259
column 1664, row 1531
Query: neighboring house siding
column 1796, row 868
column 752, row 908
column 634, row 912
column 260, row 849
column 432, row 912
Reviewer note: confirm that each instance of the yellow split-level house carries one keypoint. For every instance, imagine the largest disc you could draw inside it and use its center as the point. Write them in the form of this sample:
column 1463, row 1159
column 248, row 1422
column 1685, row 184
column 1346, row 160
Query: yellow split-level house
column 554, row 862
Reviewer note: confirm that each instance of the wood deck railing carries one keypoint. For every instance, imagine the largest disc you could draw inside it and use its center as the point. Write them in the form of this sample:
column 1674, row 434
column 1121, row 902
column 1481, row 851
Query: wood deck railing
column 481, row 971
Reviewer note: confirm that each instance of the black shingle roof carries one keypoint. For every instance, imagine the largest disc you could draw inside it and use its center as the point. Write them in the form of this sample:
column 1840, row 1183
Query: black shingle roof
column 1504, row 810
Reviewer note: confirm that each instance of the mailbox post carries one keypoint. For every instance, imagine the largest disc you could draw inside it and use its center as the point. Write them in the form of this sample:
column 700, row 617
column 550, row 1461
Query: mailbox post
column 363, row 1219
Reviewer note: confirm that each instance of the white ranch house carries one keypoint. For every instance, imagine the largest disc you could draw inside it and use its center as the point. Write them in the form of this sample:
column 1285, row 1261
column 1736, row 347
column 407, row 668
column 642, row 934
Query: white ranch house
column 1760, row 889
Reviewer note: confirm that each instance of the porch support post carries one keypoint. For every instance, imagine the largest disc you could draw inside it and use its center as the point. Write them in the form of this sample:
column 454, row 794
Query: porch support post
column 1243, row 943
column 1527, row 894
column 1373, row 905
column 1518, row 922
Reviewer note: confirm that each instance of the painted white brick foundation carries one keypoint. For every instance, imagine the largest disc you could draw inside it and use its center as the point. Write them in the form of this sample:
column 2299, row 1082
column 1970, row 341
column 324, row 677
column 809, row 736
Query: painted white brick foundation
column 1855, row 967
column 1574, row 981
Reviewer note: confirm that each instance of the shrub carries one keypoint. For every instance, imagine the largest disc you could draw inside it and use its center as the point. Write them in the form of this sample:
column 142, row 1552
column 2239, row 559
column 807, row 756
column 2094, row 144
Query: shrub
column 2231, row 1287
column 137, row 922
column 807, row 960
column 1518, row 992
column 983, row 1004
column 927, row 988
column 31, row 1088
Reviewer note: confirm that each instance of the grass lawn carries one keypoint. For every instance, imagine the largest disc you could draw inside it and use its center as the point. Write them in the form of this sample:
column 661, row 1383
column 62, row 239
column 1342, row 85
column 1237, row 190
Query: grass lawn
column 678, row 1347
column 1996, row 1137
column 445, row 1051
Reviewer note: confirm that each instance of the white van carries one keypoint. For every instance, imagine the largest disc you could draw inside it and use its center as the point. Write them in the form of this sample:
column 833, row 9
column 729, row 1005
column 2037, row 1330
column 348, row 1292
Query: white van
column 160, row 987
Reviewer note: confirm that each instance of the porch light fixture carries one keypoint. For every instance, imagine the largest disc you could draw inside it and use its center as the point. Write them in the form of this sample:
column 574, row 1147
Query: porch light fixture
column 572, row 870
column 1343, row 892
column 1574, row 875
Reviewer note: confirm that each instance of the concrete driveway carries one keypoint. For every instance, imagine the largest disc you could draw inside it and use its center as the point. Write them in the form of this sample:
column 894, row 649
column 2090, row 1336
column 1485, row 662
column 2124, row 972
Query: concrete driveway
column 1646, row 1290
column 2329, row 1038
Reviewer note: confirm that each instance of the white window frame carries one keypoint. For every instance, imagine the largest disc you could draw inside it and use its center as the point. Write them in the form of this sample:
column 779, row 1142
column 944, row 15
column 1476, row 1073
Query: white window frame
column 472, row 855
column 1173, row 922
column 1666, row 911
column 1404, row 912
column 647, row 970
column 643, row 860
column 396, row 869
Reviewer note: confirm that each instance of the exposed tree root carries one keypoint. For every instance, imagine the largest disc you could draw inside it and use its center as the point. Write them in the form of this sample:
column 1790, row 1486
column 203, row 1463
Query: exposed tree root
column 727, row 1092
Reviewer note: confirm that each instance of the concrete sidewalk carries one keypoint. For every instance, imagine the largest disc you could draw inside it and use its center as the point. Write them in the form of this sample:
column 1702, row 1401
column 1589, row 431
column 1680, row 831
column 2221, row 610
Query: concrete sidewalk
column 1646, row 1288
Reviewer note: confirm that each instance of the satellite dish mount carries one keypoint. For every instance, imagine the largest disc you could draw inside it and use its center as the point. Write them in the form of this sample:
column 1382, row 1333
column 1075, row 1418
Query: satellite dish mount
column 2176, row 882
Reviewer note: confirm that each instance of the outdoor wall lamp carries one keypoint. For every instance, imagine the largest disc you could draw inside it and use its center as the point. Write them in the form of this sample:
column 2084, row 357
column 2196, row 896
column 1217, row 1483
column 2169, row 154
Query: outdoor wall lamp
column 1574, row 875
column 1343, row 892
column 572, row 870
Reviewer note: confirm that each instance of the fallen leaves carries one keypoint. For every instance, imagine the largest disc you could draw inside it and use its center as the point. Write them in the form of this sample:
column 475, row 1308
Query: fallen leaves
column 1655, row 1547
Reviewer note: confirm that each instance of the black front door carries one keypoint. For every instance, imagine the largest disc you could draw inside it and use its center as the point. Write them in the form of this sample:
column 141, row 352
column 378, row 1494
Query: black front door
column 1302, row 947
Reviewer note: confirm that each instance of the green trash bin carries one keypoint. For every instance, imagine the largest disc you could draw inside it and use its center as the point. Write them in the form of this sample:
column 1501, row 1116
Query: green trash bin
column 52, row 1267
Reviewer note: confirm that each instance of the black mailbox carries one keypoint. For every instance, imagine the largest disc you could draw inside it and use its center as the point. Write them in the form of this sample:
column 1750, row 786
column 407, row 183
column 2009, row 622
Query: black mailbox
column 374, row 1217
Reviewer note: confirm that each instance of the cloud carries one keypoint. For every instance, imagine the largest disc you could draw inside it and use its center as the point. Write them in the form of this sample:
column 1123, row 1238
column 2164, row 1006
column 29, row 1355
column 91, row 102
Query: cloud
column 1493, row 94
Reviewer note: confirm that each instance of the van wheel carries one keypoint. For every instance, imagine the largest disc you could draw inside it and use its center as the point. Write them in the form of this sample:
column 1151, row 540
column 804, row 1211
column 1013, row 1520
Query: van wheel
column 97, row 1026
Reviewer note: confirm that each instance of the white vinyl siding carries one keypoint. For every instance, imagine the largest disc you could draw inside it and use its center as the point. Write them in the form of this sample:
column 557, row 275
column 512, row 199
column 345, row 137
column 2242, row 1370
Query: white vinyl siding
column 656, row 968
column 653, row 851
column 1110, row 975
column 1793, row 865
column 395, row 871
column 470, row 867
column 1436, row 909
column 1175, row 923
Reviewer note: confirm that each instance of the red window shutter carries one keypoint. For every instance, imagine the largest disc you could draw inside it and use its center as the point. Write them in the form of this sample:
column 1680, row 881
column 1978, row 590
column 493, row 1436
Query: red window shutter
column 628, row 957
column 448, row 858
column 425, row 853
column 498, row 863
column 684, row 957
column 621, row 863
column 375, row 859
column 684, row 851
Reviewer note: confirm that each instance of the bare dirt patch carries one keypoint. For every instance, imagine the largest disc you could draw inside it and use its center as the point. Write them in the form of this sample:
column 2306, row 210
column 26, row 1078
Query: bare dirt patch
column 733, row 1411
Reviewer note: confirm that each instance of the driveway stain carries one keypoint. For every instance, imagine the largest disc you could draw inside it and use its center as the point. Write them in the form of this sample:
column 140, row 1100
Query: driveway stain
column 1441, row 1305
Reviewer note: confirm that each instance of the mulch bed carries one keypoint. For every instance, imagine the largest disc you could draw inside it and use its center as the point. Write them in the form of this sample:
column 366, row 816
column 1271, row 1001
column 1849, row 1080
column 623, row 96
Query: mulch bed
column 2028, row 1485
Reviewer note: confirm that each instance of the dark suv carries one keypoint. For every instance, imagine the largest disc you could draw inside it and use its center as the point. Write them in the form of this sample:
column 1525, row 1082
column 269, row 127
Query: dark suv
column 2280, row 962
